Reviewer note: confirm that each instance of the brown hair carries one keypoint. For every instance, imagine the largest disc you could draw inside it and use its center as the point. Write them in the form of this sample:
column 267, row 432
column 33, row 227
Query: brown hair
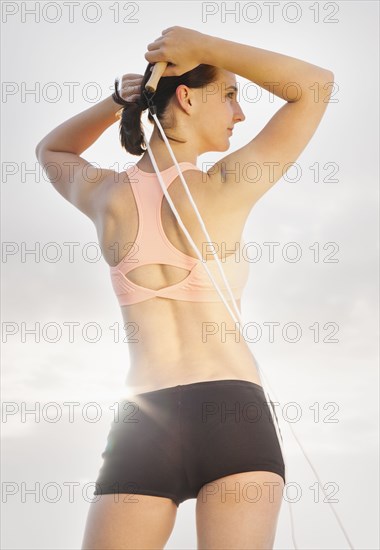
column 131, row 136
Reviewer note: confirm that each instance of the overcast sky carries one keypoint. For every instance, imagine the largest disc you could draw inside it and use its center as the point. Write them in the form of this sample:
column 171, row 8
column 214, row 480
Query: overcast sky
column 331, row 208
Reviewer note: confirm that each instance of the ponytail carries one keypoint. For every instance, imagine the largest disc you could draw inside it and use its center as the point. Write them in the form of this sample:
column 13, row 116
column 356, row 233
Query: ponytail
column 130, row 129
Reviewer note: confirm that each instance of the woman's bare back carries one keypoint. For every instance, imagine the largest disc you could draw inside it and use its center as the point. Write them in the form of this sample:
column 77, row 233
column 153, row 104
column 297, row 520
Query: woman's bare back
column 174, row 342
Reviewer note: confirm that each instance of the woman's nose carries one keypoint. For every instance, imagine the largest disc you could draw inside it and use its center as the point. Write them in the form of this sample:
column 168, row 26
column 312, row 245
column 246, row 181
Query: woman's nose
column 239, row 115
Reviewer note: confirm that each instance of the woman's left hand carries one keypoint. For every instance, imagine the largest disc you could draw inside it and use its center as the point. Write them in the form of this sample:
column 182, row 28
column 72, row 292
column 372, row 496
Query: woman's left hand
column 130, row 87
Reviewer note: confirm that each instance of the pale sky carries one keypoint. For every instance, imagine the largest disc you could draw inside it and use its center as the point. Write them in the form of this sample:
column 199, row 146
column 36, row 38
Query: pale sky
column 339, row 298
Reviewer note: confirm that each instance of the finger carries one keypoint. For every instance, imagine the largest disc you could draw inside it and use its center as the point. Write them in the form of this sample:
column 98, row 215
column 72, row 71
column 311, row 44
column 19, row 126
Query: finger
column 129, row 86
column 132, row 82
column 132, row 98
column 154, row 56
column 134, row 77
column 154, row 46
column 127, row 82
column 131, row 90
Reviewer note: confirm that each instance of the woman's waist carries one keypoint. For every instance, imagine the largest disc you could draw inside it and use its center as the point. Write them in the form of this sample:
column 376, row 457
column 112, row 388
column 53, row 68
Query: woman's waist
column 151, row 372
column 180, row 333
column 201, row 321
column 187, row 351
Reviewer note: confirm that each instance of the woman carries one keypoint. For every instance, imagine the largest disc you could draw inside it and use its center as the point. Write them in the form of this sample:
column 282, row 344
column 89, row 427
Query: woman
column 188, row 429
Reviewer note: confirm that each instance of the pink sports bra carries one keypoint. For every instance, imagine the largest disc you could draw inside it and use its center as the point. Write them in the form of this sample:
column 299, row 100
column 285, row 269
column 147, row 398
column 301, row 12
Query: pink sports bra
column 153, row 247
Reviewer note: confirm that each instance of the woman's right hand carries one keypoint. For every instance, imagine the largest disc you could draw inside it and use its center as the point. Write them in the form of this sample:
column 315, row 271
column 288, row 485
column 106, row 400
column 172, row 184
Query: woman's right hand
column 179, row 47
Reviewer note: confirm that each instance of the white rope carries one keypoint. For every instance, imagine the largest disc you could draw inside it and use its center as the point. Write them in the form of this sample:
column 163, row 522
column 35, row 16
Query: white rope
column 238, row 321
column 163, row 186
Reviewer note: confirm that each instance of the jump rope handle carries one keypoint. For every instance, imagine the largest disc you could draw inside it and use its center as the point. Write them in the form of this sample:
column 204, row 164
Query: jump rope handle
column 157, row 72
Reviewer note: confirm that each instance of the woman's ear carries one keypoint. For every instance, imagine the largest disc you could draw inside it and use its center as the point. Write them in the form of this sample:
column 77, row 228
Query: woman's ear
column 183, row 95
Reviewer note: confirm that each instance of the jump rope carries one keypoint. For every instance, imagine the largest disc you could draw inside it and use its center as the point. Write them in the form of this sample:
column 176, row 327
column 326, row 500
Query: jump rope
column 149, row 92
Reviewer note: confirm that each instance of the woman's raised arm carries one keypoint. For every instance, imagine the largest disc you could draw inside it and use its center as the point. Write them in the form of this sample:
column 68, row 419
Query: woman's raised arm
column 77, row 180
column 79, row 132
column 250, row 171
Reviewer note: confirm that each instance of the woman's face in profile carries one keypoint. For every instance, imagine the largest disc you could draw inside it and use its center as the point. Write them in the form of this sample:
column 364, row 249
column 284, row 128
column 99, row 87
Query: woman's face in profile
column 219, row 110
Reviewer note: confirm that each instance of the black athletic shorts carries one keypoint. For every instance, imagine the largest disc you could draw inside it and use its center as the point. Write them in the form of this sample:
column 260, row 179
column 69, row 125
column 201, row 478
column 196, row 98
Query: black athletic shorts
column 172, row 441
